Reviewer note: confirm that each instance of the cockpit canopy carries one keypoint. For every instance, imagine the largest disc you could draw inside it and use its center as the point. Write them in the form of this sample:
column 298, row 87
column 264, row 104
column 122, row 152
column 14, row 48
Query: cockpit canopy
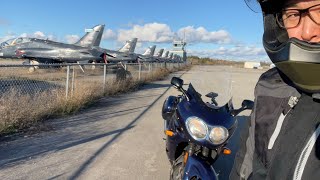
column 14, row 41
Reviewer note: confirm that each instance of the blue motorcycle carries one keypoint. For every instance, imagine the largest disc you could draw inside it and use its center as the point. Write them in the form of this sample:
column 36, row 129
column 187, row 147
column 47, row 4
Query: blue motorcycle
column 197, row 132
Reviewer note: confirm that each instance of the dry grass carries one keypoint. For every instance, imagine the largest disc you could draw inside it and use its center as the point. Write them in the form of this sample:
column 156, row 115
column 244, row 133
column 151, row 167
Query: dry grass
column 46, row 74
column 212, row 61
column 19, row 111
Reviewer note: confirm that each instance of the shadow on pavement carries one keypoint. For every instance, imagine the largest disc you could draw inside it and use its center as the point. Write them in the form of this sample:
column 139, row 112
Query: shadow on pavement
column 69, row 132
column 154, row 86
column 93, row 157
column 54, row 146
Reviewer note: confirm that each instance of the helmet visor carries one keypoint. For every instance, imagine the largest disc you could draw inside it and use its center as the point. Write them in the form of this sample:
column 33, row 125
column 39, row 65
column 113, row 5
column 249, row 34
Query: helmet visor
column 253, row 5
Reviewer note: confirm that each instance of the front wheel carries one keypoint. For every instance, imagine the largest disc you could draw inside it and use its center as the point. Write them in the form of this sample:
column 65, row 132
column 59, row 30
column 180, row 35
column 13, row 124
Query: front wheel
column 177, row 169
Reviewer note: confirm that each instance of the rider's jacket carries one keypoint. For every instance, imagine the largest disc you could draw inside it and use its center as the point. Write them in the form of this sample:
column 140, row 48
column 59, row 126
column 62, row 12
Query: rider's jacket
column 281, row 141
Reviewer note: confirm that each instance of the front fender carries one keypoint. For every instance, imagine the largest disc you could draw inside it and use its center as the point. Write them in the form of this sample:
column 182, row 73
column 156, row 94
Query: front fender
column 196, row 167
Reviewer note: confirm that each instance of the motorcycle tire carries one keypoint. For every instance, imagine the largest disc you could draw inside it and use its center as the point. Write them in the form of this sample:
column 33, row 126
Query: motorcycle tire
column 177, row 169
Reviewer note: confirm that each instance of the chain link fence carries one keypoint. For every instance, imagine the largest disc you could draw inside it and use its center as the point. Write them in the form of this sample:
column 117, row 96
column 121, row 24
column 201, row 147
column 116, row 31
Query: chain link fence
column 30, row 93
column 30, row 79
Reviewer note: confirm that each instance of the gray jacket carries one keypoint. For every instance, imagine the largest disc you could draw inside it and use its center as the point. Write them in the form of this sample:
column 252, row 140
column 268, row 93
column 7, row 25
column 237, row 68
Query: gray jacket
column 281, row 140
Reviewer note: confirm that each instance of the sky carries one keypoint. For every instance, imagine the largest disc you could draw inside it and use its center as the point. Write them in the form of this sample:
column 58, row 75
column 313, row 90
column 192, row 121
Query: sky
column 220, row 29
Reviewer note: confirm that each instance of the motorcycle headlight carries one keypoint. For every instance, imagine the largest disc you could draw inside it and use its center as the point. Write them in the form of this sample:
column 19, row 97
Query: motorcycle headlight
column 197, row 128
column 218, row 135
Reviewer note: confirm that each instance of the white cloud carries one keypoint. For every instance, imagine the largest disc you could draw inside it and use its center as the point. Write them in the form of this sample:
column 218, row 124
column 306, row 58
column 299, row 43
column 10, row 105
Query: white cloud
column 109, row 34
column 7, row 36
column 200, row 34
column 51, row 37
column 151, row 32
column 72, row 38
column 38, row 34
column 24, row 35
column 162, row 33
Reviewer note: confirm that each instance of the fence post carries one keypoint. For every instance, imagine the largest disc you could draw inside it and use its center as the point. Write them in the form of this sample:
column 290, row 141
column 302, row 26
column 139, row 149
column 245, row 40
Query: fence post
column 104, row 76
column 139, row 71
column 67, row 81
column 149, row 68
column 72, row 83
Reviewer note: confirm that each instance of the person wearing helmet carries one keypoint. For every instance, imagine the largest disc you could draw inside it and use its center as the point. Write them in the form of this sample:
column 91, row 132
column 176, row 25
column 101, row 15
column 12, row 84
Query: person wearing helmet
column 282, row 139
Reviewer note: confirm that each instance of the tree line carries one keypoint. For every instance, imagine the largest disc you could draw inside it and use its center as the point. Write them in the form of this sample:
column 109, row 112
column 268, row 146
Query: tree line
column 214, row 61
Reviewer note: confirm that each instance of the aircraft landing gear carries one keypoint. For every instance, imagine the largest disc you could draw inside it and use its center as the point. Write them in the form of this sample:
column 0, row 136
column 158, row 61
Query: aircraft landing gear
column 33, row 68
column 93, row 67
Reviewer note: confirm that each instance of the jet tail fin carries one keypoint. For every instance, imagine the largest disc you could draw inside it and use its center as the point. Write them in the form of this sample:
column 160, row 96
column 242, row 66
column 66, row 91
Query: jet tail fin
column 92, row 37
column 159, row 54
column 129, row 46
column 165, row 55
column 150, row 51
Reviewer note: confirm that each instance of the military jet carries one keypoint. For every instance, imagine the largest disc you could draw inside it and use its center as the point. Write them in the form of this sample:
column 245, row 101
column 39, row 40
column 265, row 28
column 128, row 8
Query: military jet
column 147, row 56
column 159, row 53
column 47, row 51
column 176, row 58
column 168, row 56
column 85, row 50
column 165, row 55
column 124, row 54
column 158, row 57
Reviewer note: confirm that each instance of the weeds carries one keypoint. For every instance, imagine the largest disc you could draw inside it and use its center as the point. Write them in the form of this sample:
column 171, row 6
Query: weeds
column 21, row 110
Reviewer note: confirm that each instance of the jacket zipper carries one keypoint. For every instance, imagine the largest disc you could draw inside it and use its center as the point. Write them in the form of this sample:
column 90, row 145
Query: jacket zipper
column 305, row 155
column 277, row 130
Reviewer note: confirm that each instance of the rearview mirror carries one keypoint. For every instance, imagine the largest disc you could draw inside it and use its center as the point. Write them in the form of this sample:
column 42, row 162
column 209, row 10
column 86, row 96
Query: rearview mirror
column 247, row 104
column 177, row 82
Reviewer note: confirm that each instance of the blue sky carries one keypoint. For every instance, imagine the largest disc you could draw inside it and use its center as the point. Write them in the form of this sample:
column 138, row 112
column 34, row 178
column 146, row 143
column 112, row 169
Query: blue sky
column 225, row 29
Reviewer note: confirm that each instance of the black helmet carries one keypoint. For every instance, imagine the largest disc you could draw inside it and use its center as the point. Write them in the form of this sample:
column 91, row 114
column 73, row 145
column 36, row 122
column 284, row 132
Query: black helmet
column 296, row 59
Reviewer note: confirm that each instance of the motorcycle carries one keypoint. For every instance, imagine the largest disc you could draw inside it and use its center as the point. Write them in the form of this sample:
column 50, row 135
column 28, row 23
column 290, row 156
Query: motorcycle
column 197, row 133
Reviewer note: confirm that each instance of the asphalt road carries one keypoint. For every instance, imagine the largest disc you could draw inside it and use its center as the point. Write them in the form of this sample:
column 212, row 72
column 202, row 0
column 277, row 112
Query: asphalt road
column 119, row 137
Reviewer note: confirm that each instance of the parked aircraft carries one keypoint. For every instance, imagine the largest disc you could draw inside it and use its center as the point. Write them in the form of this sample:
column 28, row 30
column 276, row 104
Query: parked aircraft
column 158, row 56
column 165, row 55
column 148, row 55
column 176, row 58
column 159, row 53
column 124, row 54
column 47, row 51
column 170, row 56
column 85, row 50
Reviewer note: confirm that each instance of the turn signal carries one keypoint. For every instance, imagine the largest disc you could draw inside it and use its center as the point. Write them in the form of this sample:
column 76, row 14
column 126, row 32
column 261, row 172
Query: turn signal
column 226, row 151
column 169, row 133
column 185, row 158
